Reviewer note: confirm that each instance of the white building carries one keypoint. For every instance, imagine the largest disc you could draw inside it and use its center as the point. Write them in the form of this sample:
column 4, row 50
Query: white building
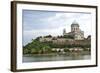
column 76, row 32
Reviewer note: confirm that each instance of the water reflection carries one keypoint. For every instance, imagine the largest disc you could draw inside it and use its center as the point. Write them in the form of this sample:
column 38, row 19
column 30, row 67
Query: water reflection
column 57, row 57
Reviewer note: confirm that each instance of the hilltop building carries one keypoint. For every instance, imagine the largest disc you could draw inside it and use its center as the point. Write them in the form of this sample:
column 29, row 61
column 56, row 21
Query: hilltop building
column 76, row 32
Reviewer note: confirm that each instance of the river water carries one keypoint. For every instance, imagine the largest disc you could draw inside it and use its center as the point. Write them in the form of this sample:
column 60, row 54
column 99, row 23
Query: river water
column 56, row 57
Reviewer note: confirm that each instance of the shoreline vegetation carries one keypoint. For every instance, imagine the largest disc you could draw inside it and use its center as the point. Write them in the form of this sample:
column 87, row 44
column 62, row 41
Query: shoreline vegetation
column 57, row 54
column 46, row 48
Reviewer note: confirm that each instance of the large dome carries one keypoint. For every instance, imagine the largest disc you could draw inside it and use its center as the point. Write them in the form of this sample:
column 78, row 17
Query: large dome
column 74, row 24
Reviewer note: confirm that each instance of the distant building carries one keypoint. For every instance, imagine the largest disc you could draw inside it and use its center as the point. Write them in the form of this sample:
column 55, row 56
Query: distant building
column 76, row 32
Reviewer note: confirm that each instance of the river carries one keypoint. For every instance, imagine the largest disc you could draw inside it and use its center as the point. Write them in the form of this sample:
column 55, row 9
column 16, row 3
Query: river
column 56, row 57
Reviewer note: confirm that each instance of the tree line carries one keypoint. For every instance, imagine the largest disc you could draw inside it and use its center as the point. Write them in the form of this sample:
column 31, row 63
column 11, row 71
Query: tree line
column 37, row 47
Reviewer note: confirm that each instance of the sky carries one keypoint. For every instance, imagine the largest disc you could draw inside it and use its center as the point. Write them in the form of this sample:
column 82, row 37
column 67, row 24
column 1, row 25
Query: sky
column 41, row 23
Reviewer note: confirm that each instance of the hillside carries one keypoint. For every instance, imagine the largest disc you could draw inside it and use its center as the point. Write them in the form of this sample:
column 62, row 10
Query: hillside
column 35, row 46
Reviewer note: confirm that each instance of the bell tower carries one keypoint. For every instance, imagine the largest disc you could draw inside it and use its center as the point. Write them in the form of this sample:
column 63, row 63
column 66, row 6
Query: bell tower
column 64, row 31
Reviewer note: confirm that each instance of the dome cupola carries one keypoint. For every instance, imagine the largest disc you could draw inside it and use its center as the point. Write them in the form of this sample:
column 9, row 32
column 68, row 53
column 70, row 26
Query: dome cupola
column 74, row 24
column 74, row 27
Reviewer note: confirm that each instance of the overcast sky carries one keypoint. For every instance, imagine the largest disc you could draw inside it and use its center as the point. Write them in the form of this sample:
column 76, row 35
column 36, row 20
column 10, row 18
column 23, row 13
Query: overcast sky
column 41, row 23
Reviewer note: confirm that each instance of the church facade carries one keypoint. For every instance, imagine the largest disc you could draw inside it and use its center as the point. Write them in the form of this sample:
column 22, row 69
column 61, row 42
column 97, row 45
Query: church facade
column 76, row 32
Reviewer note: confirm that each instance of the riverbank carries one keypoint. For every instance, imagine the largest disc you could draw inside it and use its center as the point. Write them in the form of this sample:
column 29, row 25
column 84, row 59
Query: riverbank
column 61, row 53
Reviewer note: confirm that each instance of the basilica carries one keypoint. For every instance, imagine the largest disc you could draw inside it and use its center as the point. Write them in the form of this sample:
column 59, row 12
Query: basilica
column 75, row 32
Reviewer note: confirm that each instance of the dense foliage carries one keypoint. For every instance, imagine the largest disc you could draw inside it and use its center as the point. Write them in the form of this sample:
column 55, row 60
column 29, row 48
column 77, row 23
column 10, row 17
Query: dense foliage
column 37, row 47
